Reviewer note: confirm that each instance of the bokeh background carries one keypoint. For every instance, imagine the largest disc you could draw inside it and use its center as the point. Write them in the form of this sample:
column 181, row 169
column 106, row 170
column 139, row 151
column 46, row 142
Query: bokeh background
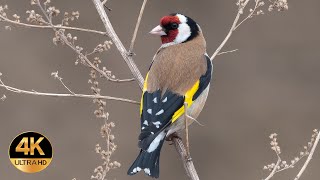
column 271, row 84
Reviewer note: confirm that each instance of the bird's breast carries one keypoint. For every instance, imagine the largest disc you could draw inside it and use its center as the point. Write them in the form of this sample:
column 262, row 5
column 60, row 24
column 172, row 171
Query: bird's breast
column 176, row 68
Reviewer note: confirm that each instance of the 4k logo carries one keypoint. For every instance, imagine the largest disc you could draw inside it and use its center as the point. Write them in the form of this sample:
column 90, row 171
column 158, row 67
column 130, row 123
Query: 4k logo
column 30, row 152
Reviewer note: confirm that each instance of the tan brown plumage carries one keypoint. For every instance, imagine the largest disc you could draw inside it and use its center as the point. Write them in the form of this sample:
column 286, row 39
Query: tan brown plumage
column 178, row 67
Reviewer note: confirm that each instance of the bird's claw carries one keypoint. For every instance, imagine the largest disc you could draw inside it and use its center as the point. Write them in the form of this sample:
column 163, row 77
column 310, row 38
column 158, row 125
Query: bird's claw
column 171, row 137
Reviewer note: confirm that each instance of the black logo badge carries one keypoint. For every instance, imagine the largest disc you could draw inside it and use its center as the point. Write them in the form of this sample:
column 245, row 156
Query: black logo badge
column 30, row 152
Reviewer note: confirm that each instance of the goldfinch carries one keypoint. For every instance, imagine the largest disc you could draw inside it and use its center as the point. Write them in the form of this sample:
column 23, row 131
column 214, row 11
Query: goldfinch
column 180, row 73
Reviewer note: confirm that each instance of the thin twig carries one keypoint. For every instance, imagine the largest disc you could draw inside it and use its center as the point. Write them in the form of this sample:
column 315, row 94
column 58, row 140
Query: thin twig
column 309, row 157
column 21, row 91
column 226, row 52
column 187, row 164
column 186, row 117
column 71, row 45
column 137, row 26
column 60, row 79
column 50, row 27
column 250, row 14
column 114, row 37
column 234, row 24
column 274, row 170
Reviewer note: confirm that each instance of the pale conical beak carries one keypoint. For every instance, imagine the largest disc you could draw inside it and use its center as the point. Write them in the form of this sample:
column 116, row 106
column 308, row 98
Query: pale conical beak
column 158, row 31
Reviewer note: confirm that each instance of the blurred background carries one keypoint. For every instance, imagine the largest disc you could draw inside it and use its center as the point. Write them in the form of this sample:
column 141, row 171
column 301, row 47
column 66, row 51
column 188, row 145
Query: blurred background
column 271, row 84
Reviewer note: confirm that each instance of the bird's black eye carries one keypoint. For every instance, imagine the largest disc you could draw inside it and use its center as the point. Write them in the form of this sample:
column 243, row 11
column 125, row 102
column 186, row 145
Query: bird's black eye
column 174, row 25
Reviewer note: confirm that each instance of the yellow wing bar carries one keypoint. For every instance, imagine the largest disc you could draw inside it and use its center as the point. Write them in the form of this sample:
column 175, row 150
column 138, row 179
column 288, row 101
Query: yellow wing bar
column 143, row 90
column 188, row 99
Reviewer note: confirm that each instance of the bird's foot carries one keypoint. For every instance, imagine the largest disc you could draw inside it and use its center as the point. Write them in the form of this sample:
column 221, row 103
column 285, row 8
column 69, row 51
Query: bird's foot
column 173, row 136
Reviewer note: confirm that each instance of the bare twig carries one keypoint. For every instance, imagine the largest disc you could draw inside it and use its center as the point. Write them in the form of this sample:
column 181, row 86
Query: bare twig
column 187, row 164
column 114, row 37
column 309, row 157
column 56, row 76
column 50, row 27
column 137, row 27
column 82, row 56
column 234, row 24
column 21, row 91
column 186, row 117
column 275, row 168
column 72, row 46
column 308, row 151
column 226, row 52
column 250, row 14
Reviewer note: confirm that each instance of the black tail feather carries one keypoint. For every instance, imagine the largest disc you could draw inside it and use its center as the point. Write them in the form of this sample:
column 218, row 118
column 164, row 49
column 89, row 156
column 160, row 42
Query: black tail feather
column 147, row 162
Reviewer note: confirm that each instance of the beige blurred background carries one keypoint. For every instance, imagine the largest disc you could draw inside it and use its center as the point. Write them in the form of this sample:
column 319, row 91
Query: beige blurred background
column 271, row 84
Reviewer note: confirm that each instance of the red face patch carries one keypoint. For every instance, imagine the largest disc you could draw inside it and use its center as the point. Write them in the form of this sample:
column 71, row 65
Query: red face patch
column 165, row 22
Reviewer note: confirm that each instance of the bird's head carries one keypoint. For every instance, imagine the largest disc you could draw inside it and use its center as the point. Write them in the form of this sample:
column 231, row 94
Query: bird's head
column 176, row 29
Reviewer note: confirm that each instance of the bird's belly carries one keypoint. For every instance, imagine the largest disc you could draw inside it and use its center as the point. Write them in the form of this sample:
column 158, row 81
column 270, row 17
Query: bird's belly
column 193, row 111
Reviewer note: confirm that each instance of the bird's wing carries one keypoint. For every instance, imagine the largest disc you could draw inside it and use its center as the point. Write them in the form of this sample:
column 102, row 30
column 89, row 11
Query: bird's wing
column 158, row 112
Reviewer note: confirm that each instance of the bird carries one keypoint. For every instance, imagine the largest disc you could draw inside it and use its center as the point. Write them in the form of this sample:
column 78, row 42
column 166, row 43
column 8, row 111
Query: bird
column 179, row 77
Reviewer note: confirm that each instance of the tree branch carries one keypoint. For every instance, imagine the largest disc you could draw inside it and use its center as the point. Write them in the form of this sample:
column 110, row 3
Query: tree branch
column 20, row 91
column 275, row 168
column 114, row 37
column 309, row 157
column 50, row 27
column 187, row 163
column 226, row 52
column 137, row 26
column 234, row 24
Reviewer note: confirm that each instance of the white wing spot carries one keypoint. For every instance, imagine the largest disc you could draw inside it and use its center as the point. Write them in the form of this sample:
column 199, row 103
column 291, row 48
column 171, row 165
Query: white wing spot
column 155, row 100
column 157, row 124
column 149, row 111
column 134, row 170
column 146, row 123
column 143, row 128
column 165, row 100
column 138, row 169
column 160, row 112
column 147, row 171
column 152, row 132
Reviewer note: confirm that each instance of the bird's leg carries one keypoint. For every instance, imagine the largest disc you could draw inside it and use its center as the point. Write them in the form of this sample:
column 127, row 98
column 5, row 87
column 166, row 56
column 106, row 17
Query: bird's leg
column 186, row 117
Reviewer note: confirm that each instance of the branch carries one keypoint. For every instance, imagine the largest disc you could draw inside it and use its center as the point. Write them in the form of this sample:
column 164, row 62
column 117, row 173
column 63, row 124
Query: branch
column 112, row 34
column 187, row 163
column 275, row 168
column 20, row 91
column 50, row 27
column 226, row 52
column 309, row 157
column 283, row 165
column 250, row 14
column 137, row 26
column 234, row 24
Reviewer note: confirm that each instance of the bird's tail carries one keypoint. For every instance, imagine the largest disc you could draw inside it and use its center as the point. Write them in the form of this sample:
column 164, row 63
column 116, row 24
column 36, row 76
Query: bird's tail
column 148, row 162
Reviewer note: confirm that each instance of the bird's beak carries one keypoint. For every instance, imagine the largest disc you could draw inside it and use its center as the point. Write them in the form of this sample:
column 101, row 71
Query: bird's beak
column 158, row 31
